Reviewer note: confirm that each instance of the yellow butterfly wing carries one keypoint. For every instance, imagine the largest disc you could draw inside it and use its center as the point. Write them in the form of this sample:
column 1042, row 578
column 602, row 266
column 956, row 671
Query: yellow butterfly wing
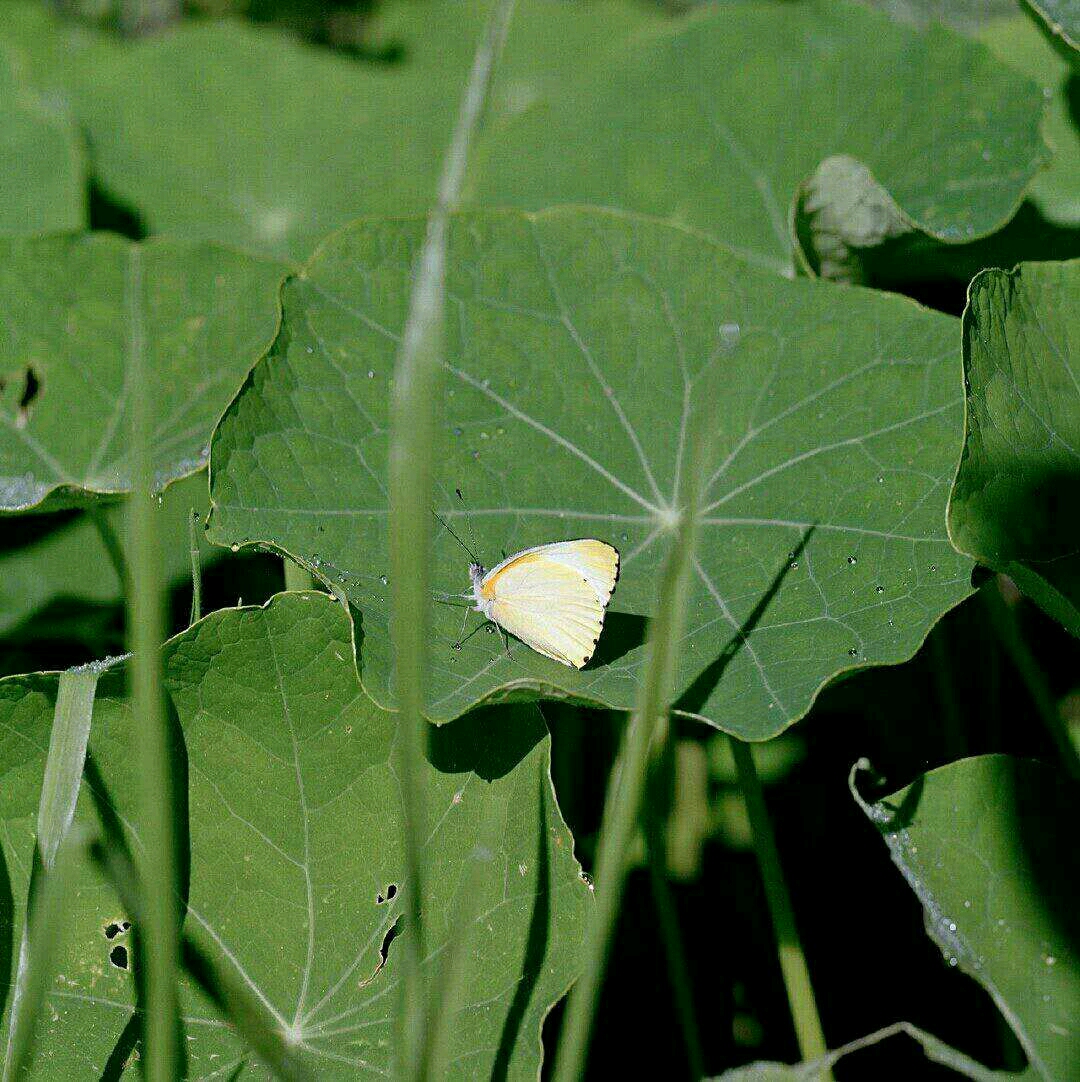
column 553, row 597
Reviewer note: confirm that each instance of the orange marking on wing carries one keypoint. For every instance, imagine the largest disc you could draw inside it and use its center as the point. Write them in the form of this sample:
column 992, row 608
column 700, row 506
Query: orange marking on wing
column 487, row 591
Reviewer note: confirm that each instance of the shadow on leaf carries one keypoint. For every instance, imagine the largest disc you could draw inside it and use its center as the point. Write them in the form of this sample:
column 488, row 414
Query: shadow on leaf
column 489, row 741
column 693, row 700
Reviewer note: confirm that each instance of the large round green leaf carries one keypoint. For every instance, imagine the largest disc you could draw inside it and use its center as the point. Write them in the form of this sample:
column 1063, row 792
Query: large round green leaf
column 1016, row 502
column 712, row 120
column 72, row 312
column 579, row 343
column 978, row 841
column 297, row 872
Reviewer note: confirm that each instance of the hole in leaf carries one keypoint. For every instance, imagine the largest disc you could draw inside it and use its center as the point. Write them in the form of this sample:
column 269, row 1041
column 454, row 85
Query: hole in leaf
column 391, row 934
column 119, row 956
column 113, row 929
column 31, row 391
column 391, row 893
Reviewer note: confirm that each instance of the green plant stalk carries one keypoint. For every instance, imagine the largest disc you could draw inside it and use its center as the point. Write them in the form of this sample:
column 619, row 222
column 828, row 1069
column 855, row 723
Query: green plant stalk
column 50, row 878
column 297, row 577
column 674, row 953
column 800, row 992
column 413, row 408
column 196, row 568
column 46, row 911
column 146, row 631
column 1004, row 625
column 624, row 797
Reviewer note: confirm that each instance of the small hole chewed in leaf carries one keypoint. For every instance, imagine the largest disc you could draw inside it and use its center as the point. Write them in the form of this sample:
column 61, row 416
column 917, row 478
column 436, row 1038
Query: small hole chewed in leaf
column 119, row 956
column 389, row 896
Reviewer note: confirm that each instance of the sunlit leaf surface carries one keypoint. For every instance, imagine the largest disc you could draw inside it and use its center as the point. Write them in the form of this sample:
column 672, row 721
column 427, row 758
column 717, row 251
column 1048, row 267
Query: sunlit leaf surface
column 578, row 345
column 688, row 118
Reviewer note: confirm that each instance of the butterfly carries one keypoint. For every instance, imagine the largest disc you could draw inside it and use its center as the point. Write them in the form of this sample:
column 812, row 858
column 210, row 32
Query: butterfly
column 552, row 597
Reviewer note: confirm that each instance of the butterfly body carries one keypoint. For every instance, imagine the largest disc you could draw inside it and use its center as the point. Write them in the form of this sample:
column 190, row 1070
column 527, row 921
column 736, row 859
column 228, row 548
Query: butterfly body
column 552, row 597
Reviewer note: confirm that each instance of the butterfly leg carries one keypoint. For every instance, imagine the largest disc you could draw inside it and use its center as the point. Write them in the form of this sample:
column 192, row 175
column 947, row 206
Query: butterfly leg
column 506, row 643
column 460, row 639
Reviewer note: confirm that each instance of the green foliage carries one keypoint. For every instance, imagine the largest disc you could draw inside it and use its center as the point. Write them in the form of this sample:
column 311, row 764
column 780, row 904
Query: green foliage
column 578, row 343
column 1016, row 502
column 74, row 313
column 977, row 843
column 293, row 807
column 42, row 167
column 634, row 331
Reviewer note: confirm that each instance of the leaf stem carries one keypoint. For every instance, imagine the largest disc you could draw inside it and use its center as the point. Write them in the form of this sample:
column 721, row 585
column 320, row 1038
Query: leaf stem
column 146, row 629
column 414, row 403
column 674, row 952
column 196, row 568
column 624, row 798
column 1005, row 626
column 800, row 992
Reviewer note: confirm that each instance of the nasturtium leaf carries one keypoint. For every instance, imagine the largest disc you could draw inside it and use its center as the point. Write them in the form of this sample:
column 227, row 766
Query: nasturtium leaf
column 1015, row 505
column 1061, row 18
column 579, row 342
column 297, row 871
column 42, row 167
column 310, row 139
column 716, row 121
column 72, row 311
column 688, row 118
column 1055, row 189
column 42, row 561
column 978, row 841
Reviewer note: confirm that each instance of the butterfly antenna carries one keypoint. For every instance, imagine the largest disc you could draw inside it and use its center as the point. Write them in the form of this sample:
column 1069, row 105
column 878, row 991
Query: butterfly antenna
column 446, row 526
column 466, row 507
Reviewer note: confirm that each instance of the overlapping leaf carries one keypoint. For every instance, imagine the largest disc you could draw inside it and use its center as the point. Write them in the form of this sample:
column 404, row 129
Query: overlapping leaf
column 1061, row 18
column 578, row 345
column 72, row 311
column 43, row 561
column 1016, row 502
column 717, row 121
column 1054, row 190
column 690, row 119
column 979, row 843
column 42, row 168
column 293, row 805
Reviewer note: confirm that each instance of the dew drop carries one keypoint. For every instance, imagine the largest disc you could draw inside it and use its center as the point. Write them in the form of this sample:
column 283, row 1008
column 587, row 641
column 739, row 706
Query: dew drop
column 853, row 652
column 384, row 580
column 371, row 373
column 310, row 349
column 794, row 565
column 457, row 430
column 852, row 560
column 879, row 589
column 933, row 567
column 490, row 629
column 476, row 454
column 625, row 536
column 485, row 383
column 484, row 436
column 1050, row 960
column 881, row 479
column 234, row 547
